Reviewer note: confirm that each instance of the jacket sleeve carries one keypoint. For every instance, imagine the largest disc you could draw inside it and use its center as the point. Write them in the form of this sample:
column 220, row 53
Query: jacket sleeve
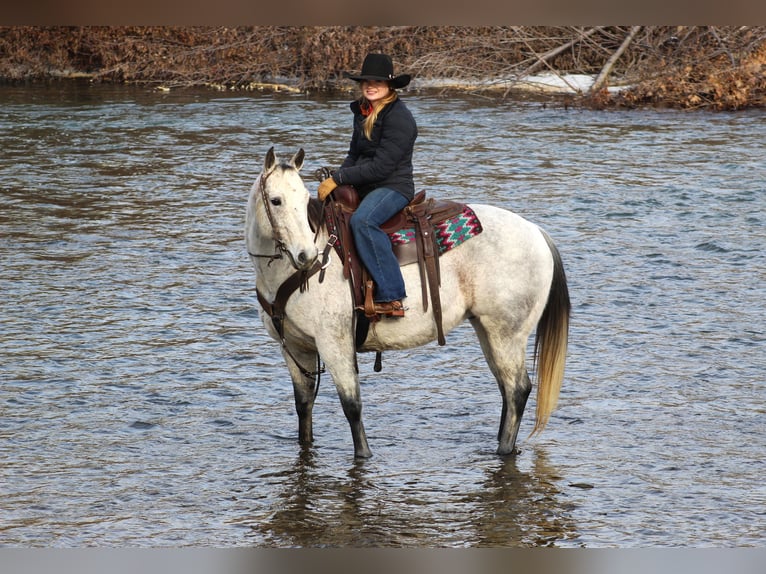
column 352, row 154
column 397, row 138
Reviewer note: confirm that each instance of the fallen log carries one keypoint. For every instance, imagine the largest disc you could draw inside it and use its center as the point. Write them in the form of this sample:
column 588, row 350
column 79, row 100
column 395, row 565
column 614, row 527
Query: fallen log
column 602, row 77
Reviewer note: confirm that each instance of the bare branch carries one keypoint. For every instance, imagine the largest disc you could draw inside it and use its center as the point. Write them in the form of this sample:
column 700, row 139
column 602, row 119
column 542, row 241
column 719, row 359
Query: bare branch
column 604, row 74
column 542, row 60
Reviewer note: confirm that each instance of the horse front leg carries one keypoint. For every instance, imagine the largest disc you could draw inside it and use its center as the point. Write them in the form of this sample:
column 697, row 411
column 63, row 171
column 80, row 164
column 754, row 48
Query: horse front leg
column 342, row 366
column 352, row 408
column 304, row 407
column 304, row 390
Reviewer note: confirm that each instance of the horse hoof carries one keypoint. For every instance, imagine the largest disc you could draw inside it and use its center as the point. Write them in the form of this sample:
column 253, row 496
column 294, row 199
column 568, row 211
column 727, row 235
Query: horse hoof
column 513, row 451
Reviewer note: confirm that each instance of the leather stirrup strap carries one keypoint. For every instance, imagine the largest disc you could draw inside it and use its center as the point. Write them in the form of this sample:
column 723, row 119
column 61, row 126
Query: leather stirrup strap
column 369, row 304
column 420, row 247
column 430, row 264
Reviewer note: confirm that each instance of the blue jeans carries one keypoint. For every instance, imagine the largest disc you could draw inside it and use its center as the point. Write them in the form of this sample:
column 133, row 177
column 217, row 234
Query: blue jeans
column 374, row 245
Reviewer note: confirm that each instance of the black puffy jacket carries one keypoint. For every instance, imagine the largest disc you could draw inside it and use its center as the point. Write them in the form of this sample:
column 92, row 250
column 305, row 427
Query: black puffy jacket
column 385, row 160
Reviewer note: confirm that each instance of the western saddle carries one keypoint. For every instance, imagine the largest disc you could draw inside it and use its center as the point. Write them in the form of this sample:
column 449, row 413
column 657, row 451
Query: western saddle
column 421, row 214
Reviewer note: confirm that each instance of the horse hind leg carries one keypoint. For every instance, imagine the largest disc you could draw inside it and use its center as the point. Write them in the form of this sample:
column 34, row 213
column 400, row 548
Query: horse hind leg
column 513, row 410
column 505, row 357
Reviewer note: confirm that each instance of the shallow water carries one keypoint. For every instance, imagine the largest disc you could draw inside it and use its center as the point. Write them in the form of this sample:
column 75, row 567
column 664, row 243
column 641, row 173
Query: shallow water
column 142, row 403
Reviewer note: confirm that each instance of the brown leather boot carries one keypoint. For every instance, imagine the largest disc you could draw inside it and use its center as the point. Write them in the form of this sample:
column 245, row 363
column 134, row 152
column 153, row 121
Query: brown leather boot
column 390, row 308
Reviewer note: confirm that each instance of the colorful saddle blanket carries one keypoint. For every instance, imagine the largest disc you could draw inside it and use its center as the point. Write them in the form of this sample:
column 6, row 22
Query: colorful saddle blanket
column 449, row 233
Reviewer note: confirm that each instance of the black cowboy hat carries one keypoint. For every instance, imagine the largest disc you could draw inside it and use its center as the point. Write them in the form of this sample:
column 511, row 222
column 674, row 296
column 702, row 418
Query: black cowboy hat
column 380, row 67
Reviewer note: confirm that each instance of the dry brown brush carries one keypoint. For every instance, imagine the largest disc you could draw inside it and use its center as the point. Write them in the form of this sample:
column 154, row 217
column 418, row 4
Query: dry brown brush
column 691, row 67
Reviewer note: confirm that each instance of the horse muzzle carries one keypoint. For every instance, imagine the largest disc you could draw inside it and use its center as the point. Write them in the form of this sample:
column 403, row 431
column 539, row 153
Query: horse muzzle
column 304, row 259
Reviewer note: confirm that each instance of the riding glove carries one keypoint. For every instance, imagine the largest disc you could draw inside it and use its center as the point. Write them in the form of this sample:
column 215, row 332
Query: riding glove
column 325, row 188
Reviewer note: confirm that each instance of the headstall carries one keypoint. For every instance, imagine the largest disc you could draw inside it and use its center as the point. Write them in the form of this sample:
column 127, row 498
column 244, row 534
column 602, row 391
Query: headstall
column 298, row 280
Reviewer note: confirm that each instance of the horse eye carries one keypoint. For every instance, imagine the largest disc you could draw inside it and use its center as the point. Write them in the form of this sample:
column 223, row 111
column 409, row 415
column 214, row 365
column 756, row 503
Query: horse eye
column 276, row 202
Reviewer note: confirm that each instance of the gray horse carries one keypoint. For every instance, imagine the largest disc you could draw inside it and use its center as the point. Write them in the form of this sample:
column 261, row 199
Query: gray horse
column 506, row 281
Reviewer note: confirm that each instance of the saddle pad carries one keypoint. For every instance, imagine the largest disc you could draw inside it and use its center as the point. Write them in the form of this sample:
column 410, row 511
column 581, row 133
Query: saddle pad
column 449, row 233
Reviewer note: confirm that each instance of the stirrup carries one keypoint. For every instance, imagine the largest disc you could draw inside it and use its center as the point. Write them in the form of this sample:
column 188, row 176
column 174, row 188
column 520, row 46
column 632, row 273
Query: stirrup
column 389, row 309
column 378, row 310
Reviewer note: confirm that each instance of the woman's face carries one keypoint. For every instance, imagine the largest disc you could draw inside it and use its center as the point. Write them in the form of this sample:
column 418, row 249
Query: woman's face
column 375, row 90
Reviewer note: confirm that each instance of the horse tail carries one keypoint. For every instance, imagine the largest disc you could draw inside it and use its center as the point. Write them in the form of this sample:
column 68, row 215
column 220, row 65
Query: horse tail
column 551, row 341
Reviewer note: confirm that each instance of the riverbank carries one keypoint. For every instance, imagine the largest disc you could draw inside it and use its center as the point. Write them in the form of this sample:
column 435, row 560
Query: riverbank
column 691, row 67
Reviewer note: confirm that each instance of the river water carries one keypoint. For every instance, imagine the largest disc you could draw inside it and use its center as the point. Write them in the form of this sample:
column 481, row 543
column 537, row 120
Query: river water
column 142, row 403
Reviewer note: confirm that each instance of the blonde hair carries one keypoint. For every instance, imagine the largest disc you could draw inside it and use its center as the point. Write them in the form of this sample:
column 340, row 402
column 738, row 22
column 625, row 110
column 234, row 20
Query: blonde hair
column 369, row 121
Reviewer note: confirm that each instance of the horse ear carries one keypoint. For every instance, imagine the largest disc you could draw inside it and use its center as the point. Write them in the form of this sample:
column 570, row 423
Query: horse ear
column 271, row 160
column 297, row 160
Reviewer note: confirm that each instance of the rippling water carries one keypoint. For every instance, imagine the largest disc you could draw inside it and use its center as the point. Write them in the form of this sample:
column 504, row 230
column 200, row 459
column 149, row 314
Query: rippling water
column 143, row 405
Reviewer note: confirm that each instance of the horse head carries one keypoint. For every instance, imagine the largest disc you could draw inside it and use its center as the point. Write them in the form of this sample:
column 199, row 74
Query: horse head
column 277, row 213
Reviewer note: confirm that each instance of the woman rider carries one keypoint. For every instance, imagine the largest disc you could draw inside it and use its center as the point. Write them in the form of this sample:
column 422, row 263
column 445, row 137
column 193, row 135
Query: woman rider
column 379, row 166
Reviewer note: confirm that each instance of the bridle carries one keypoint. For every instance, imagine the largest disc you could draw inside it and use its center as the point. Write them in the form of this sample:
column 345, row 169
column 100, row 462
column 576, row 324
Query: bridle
column 280, row 247
column 298, row 280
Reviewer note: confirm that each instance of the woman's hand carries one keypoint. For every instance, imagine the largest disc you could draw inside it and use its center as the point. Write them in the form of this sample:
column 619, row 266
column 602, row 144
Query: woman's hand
column 325, row 188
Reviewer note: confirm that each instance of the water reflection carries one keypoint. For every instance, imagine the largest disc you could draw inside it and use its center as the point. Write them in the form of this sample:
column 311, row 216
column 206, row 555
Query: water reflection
column 522, row 508
column 317, row 507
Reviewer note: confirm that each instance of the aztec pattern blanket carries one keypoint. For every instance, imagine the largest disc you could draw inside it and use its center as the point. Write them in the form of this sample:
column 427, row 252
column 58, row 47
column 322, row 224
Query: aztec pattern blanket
column 449, row 233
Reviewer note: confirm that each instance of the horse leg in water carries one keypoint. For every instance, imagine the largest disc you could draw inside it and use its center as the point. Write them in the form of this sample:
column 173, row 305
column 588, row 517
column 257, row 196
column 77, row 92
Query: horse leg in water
column 505, row 354
column 304, row 388
column 342, row 367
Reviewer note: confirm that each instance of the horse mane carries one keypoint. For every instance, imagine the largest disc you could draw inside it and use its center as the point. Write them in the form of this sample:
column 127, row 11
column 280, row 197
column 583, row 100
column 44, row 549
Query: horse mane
column 315, row 214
